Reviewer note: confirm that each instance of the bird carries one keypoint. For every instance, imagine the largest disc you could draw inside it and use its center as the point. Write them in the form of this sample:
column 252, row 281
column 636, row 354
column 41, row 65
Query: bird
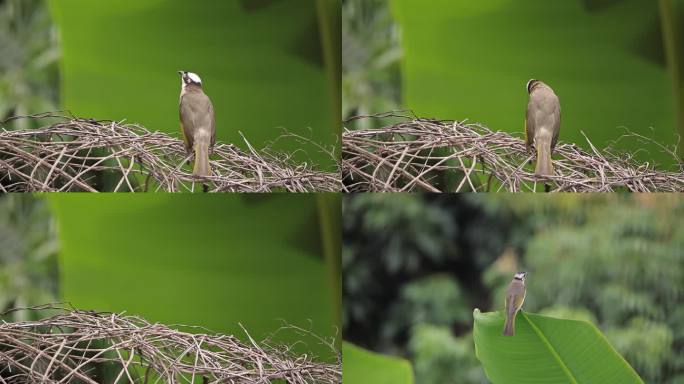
column 197, row 122
column 542, row 124
column 515, row 296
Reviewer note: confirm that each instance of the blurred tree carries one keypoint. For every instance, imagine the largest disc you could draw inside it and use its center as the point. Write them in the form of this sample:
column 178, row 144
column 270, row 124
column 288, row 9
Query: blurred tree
column 411, row 268
column 28, row 60
column 393, row 238
column 440, row 357
column 625, row 264
column 435, row 299
column 370, row 59
column 28, row 253
column 614, row 260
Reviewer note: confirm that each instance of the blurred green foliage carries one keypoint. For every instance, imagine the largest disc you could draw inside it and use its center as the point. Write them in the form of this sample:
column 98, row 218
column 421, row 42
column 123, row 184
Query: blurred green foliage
column 441, row 357
column 370, row 59
column 434, row 300
column 29, row 51
column 261, row 63
column 471, row 60
column 614, row 260
column 28, row 254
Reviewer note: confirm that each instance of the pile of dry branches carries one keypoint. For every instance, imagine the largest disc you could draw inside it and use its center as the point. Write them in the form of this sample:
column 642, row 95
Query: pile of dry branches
column 78, row 346
column 415, row 154
column 72, row 154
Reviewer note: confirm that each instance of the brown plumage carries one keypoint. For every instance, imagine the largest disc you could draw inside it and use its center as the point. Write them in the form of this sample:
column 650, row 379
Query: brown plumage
column 542, row 124
column 197, row 122
column 515, row 296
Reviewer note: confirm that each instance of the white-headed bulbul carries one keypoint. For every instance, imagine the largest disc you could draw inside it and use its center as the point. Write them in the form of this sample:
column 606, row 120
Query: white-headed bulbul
column 515, row 296
column 197, row 121
column 542, row 124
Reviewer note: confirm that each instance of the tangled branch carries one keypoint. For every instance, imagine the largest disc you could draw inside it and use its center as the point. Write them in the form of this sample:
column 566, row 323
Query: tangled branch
column 75, row 346
column 416, row 154
column 72, row 154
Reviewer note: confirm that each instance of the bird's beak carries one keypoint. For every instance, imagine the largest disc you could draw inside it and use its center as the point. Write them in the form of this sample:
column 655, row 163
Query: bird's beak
column 181, row 72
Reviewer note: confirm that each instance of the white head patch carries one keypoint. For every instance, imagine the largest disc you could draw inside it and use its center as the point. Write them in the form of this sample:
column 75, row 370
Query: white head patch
column 194, row 77
column 189, row 78
column 520, row 276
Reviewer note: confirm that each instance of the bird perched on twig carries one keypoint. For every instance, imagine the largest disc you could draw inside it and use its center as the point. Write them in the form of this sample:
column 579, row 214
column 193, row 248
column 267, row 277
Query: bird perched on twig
column 542, row 123
column 197, row 121
column 515, row 296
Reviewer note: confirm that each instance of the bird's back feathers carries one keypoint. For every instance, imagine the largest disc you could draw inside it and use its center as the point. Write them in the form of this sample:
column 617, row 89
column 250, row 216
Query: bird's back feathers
column 542, row 124
column 198, row 125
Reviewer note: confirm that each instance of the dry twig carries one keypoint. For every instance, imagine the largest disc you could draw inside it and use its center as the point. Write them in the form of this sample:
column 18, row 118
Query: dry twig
column 414, row 154
column 75, row 346
column 69, row 156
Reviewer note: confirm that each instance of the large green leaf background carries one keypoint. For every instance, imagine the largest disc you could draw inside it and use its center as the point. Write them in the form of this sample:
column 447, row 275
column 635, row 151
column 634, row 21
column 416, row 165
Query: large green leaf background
column 213, row 261
column 260, row 62
column 547, row 350
column 471, row 60
column 362, row 366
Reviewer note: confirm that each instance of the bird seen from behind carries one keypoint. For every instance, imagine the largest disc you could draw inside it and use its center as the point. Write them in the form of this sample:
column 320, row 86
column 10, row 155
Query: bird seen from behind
column 197, row 122
column 542, row 124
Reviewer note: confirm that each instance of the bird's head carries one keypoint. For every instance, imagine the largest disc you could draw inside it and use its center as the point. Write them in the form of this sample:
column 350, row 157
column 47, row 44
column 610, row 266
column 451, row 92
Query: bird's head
column 520, row 276
column 531, row 84
column 188, row 78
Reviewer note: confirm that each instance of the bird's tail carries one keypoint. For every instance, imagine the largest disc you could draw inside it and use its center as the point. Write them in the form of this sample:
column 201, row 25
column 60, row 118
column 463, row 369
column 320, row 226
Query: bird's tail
column 544, row 166
column 202, row 167
column 509, row 326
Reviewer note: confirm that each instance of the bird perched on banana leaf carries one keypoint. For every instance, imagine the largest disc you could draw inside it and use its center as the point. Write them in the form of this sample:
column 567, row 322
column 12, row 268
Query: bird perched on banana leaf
column 542, row 124
column 197, row 122
column 515, row 296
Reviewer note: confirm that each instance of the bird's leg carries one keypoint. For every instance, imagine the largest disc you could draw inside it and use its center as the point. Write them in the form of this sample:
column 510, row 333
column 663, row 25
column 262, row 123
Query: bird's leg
column 189, row 156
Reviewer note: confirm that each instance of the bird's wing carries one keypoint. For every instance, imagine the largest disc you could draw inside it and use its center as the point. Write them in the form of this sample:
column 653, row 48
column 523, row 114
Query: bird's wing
column 520, row 298
column 557, row 120
column 511, row 304
column 515, row 296
column 524, row 293
column 212, row 125
column 529, row 126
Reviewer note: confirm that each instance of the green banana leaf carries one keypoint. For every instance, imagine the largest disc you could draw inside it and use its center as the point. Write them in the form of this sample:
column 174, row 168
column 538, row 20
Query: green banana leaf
column 213, row 261
column 360, row 366
column 547, row 350
column 471, row 60
column 261, row 63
